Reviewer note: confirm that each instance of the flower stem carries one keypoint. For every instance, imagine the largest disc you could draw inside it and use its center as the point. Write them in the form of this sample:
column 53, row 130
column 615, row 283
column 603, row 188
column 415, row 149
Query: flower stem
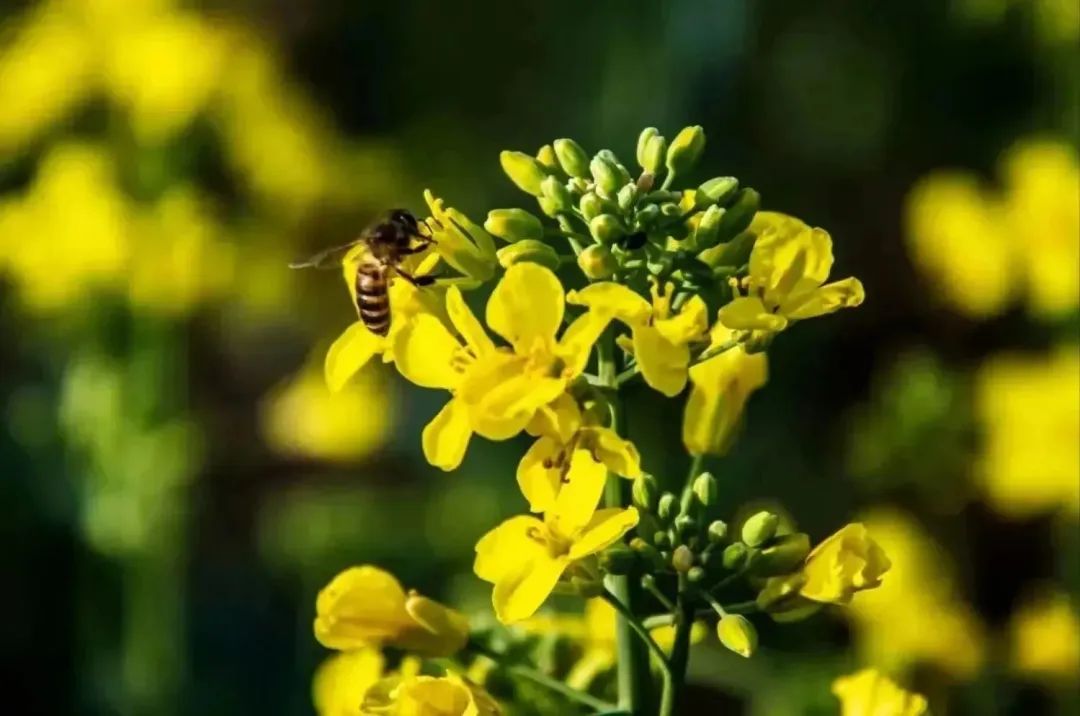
column 539, row 677
column 680, row 653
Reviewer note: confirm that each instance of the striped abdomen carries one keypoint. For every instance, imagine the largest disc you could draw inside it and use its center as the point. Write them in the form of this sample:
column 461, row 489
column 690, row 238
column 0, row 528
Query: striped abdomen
column 372, row 298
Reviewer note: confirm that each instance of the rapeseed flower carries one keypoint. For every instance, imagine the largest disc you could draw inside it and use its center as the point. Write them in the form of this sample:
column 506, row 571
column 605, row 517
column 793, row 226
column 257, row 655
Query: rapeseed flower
column 1045, row 637
column 869, row 693
column 418, row 695
column 343, row 679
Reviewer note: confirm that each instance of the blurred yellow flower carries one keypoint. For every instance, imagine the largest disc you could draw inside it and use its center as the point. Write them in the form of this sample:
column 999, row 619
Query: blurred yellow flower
column 721, row 386
column 915, row 616
column 788, row 266
column 304, row 417
column 462, row 243
column 525, row 557
column 366, row 606
column 869, row 693
column 448, row 695
column 343, row 679
column 1030, row 414
column 1045, row 637
column 660, row 337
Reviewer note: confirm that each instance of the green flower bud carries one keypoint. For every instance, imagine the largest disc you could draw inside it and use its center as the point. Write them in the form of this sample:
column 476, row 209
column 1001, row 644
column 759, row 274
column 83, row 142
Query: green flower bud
column 645, row 182
column 682, row 559
column 513, row 225
column 670, row 210
column 695, row 575
column 606, row 228
column 591, row 206
column 648, row 552
column 717, row 531
column 685, row 149
column 738, row 216
column 653, row 160
column 737, row 634
column 526, row 172
column 667, row 506
column 643, row 141
column 546, row 156
column 577, row 186
column 626, row 197
column 715, row 191
column 572, row 158
column 645, row 492
column 619, row 559
column 648, row 582
column 706, row 233
column 706, row 490
column 530, row 250
column 606, row 176
column 597, row 262
column 760, row 528
column 648, row 215
column 733, row 253
column 734, row 555
column 685, row 524
column 609, row 156
column 557, row 193
column 784, row 555
column 549, row 206
column 661, row 539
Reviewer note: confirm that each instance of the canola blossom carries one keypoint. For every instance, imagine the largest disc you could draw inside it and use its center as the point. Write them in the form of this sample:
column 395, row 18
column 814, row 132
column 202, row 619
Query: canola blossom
column 621, row 282
column 869, row 693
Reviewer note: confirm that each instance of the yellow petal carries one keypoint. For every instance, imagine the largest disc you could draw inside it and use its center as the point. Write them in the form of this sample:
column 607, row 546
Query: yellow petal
column 618, row 455
column 663, row 364
column 438, row 630
column 349, row 353
column 579, row 494
column 526, row 307
column 454, row 244
column 559, row 419
column 503, row 549
column 721, row 386
column 605, row 528
column 517, row 596
column 616, row 299
column 538, row 474
column 577, row 341
column 341, row 681
column 748, row 313
column 423, row 351
column 466, row 323
column 787, row 250
column 360, row 606
column 446, row 438
column 690, row 324
column 847, row 293
column 869, row 693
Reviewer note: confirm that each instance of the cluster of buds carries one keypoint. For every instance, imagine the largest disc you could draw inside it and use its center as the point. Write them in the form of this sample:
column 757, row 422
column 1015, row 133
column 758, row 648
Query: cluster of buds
column 631, row 228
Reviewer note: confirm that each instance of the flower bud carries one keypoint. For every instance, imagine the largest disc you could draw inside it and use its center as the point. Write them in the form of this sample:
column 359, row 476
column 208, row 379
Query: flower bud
column 526, row 172
column 706, row 490
column 734, row 555
column 667, row 506
column 715, row 191
column 780, row 593
column 606, row 176
column 738, row 216
column 606, row 228
column 655, row 149
column 685, row 524
column 627, row 196
column 642, row 142
column 661, row 539
column 682, row 559
column 785, row 554
column 609, row 156
column 618, row 560
column 645, row 182
column 597, row 262
column 737, row 634
column 572, row 158
column 530, row 250
column 645, row 492
column 707, row 231
column 760, row 528
column 733, row 253
column 695, row 575
column 648, row 582
column 647, row 551
column 591, row 206
column 577, row 186
column 670, row 210
column 647, row 215
column 546, row 156
column 557, row 193
column 513, row 225
column 685, row 149
column 717, row 531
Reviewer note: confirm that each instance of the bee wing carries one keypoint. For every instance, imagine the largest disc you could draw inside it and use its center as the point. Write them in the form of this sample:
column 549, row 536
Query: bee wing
column 328, row 259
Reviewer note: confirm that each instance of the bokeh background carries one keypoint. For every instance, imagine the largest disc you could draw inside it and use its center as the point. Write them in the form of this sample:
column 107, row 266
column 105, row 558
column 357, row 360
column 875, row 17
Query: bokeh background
column 176, row 483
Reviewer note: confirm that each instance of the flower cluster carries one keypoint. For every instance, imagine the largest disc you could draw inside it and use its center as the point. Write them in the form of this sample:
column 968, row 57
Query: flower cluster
column 674, row 288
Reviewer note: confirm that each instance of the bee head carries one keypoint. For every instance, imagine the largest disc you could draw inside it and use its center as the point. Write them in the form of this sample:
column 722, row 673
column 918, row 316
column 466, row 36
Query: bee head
column 403, row 217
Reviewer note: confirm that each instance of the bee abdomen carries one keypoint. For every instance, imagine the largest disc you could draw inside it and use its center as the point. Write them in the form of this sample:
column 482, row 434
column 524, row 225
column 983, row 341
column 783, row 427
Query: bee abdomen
column 372, row 298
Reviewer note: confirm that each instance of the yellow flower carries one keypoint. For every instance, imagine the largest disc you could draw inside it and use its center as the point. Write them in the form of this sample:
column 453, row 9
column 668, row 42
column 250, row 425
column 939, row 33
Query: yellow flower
column 1030, row 416
column 916, row 616
column 366, row 606
column 448, row 695
column 788, row 265
column 562, row 432
column 462, row 243
column 721, row 386
column 660, row 338
column 525, row 557
column 342, row 680
column 1045, row 637
column 869, row 693
column 496, row 390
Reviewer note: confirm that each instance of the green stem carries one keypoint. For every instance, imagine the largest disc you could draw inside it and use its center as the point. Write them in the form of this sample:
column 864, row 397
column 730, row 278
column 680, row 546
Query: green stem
column 636, row 626
column 539, row 677
column 680, row 654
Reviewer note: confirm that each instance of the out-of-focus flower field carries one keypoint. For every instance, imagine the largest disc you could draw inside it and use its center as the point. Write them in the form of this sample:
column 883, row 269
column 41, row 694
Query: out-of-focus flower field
column 177, row 481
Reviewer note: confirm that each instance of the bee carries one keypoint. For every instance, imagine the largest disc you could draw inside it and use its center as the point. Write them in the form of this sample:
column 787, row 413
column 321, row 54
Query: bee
column 387, row 243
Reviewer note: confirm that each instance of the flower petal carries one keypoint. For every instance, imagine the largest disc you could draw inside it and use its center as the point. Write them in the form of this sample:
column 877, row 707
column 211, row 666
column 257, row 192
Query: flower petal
column 690, row 324
column 518, row 596
column 579, row 495
column 526, row 307
column 446, row 438
column 605, row 528
column 721, row 386
column 830, row 298
column 748, row 313
column 663, row 363
column 614, row 298
column 466, row 323
column 559, row 419
column 423, row 350
column 538, row 474
column 503, row 549
column 360, row 606
column 349, row 353
column 577, row 341
column 618, row 455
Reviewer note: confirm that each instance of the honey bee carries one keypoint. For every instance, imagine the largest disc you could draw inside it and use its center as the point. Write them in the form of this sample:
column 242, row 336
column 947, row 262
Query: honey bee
column 387, row 242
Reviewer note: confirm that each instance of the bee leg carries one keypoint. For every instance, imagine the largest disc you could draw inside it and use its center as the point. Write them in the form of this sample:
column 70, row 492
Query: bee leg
column 430, row 235
column 417, row 281
column 412, row 250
